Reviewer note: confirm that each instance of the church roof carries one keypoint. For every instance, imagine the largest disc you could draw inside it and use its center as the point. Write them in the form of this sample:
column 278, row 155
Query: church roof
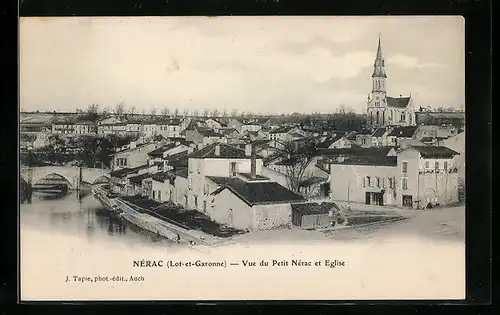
column 399, row 102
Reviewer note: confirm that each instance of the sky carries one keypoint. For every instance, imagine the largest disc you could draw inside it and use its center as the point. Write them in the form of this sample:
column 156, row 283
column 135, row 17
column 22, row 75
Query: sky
column 252, row 64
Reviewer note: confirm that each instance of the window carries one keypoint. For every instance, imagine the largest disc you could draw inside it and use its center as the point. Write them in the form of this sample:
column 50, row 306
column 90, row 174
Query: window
column 377, row 181
column 391, row 183
column 154, row 196
column 436, row 165
column 196, row 202
column 404, row 183
column 232, row 169
column 445, row 165
column 159, row 195
column 368, row 181
column 204, row 206
column 426, row 164
column 404, row 166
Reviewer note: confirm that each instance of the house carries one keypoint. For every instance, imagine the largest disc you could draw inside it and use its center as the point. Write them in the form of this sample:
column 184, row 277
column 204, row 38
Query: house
column 134, row 156
column 283, row 133
column 253, row 203
column 457, row 144
column 217, row 159
column 337, row 140
column 416, row 177
column 172, row 127
column 202, row 137
column 435, row 132
column 74, row 128
column 456, row 119
column 118, row 128
column 379, row 137
column 134, row 127
column 313, row 215
column 215, row 124
column 119, row 179
column 235, row 124
column 364, row 139
column 250, row 127
column 231, row 134
column 401, row 133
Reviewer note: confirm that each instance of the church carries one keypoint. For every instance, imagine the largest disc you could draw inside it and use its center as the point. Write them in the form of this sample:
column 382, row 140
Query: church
column 383, row 110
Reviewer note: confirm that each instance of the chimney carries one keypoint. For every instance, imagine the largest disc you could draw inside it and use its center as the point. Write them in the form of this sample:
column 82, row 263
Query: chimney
column 253, row 163
column 217, row 149
column 248, row 149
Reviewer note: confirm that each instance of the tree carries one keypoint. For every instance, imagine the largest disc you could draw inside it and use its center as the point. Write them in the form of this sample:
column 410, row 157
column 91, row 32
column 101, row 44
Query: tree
column 215, row 113
column 165, row 111
column 196, row 113
column 185, row 112
column 224, row 113
column 153, row 112
column 132, row 110
column 120, row 109
column 206, row 113
column 92, row 113
column 296, row 158
column 176, row 112
column 234, row 112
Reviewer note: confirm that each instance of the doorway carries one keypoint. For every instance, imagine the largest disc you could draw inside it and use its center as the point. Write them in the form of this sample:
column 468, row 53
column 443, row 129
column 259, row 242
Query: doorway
column 407, row 201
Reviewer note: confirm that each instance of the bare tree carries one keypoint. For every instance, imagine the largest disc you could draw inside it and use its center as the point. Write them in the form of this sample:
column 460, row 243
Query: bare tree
column 120, row 109
column 176, row 112
column 196, row 113
column 185, row 112
column 215, row 113
column 206, row 112
column 165, row 111
column 132, row 110
column 295, row 159
column 224, row 113
column 234, row 112
column 153, row 112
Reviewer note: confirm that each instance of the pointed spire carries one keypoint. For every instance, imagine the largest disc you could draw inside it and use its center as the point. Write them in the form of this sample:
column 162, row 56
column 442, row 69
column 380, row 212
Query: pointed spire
column 379, row 52
column 378, row 65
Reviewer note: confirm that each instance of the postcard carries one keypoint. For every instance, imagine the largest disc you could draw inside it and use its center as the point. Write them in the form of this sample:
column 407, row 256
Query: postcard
column 242, row 158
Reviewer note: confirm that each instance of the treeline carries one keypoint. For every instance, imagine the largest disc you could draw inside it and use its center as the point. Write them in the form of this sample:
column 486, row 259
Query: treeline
column 85, row 150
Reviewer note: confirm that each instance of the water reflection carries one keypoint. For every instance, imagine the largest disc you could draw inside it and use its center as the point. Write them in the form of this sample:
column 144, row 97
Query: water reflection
column 81, row 215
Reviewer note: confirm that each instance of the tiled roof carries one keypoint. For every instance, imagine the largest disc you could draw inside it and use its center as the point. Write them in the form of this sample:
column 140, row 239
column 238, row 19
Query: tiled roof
column 367, row 160
column 159, row 152
column 176, row 156
column 182, row 172
column 257, row 192
column 210, row 133
column 399, row 102
column 122, row 172
column 314, row 208
column 403, row 132
column 282, row 129
column 162, row 176
column 226, row 152
column 139, row 178
column 248, row 176
column 312, row 181
column 373, row 151
column 379, row 132
column 435, row 152
column 329, row 141
column 228, row 131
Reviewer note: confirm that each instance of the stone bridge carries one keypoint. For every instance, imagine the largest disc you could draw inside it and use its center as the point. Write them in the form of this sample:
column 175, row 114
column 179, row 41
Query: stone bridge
column 33, row 175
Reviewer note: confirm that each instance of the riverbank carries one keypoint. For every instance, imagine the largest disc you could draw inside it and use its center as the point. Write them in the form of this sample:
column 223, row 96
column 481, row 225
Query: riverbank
column 165, row 219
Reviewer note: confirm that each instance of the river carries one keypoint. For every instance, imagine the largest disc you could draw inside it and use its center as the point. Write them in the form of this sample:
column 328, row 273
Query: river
column 84, row 217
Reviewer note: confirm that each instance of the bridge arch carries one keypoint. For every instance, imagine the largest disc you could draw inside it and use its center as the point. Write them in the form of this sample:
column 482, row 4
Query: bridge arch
column 100, row 179
column 41, row 177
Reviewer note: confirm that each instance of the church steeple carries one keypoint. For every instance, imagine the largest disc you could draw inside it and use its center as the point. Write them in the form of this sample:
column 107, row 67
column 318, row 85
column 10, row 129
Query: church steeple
column 378, row 65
